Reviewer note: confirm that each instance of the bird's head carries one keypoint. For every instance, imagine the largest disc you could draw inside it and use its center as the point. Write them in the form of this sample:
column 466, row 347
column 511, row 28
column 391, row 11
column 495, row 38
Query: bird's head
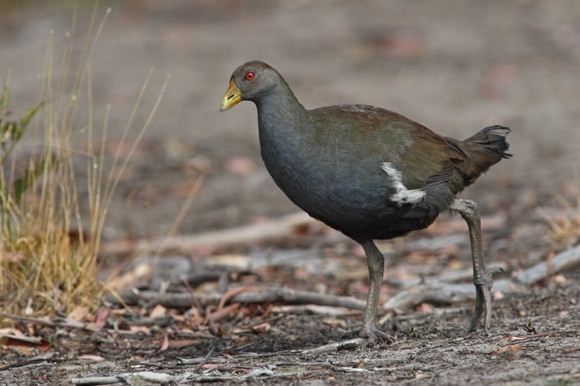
column 250, row 81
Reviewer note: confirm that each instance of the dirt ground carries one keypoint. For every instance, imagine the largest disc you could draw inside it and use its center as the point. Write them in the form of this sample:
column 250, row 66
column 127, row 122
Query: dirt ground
column 453, row 66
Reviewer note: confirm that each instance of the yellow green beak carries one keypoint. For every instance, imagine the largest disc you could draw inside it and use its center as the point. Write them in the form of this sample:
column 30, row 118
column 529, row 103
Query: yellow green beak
column 233, row 97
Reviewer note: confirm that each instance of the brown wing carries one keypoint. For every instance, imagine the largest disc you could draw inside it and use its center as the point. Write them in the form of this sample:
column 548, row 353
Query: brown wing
column 422, row 156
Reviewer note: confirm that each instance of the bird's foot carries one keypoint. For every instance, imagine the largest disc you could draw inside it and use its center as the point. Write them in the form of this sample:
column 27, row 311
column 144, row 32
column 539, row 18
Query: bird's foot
column 373, row 334
column 369, row 336
column 483, row 287
column 350, row 344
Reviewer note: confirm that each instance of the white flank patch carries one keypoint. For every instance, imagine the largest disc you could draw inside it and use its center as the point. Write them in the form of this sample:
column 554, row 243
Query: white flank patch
column 402, row 194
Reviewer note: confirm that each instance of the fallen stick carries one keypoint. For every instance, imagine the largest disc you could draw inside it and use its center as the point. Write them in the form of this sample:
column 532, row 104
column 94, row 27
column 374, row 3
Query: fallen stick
column 265, row 295
column 269, row 231
column 95, row 380
column 54, row 322
column 563, row 261
column 444, row 293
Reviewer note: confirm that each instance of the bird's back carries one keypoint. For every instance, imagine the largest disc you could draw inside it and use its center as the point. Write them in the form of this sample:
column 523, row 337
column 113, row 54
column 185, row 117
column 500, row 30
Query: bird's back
column 368, row 171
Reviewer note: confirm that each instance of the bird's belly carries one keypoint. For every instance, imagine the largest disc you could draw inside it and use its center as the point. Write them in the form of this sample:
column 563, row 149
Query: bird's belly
column 358, row 206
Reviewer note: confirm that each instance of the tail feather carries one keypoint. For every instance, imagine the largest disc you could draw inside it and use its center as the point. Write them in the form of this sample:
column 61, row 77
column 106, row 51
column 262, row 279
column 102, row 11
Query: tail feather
column 484, row 149
column 490, row 140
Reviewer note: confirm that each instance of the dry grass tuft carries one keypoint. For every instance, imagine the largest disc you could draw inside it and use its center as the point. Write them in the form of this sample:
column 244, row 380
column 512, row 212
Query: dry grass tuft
column 564, row 228
column 48, row 245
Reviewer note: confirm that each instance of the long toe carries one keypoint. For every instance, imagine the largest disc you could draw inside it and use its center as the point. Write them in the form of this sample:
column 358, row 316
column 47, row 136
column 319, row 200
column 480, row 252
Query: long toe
column 481, row 306
column 374, row 334
column 483, row 301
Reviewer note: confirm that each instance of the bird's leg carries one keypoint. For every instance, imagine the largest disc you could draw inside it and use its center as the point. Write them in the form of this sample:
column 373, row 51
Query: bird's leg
column 370, row 332
column 376, row 264
column 481, row 277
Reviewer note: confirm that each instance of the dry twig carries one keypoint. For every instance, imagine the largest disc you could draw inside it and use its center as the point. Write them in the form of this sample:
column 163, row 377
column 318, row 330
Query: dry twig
column 270, row 231
column 266, row 295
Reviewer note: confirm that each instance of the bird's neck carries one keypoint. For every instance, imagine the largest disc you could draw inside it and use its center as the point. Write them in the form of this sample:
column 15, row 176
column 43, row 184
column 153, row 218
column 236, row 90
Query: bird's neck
column 278, row 111
column 283, row 135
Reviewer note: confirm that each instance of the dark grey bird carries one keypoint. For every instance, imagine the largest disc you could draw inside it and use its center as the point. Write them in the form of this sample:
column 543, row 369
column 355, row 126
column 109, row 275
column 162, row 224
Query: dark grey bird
column 369, row 172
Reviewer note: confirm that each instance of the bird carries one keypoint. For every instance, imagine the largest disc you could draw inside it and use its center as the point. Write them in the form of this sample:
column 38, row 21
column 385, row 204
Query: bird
column 369, row 173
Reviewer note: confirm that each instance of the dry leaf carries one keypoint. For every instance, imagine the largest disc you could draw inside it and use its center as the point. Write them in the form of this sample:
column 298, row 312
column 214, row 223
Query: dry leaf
column 182, row 343
column 158, row 311
column 165, row 344
column 79, row 313
column 102, row 315
column 24, row 341
column 510, row 349
column 261, row 328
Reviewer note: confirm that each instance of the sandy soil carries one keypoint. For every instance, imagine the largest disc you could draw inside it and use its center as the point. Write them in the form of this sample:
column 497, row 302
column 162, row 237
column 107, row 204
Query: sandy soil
column 453, row 66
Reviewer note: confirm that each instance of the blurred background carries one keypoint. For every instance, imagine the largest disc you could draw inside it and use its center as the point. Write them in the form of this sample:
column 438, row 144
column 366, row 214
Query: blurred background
column 453, row 66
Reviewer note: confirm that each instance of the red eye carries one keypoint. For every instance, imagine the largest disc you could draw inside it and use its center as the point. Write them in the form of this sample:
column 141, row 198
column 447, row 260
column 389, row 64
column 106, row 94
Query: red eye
column 250, row 76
